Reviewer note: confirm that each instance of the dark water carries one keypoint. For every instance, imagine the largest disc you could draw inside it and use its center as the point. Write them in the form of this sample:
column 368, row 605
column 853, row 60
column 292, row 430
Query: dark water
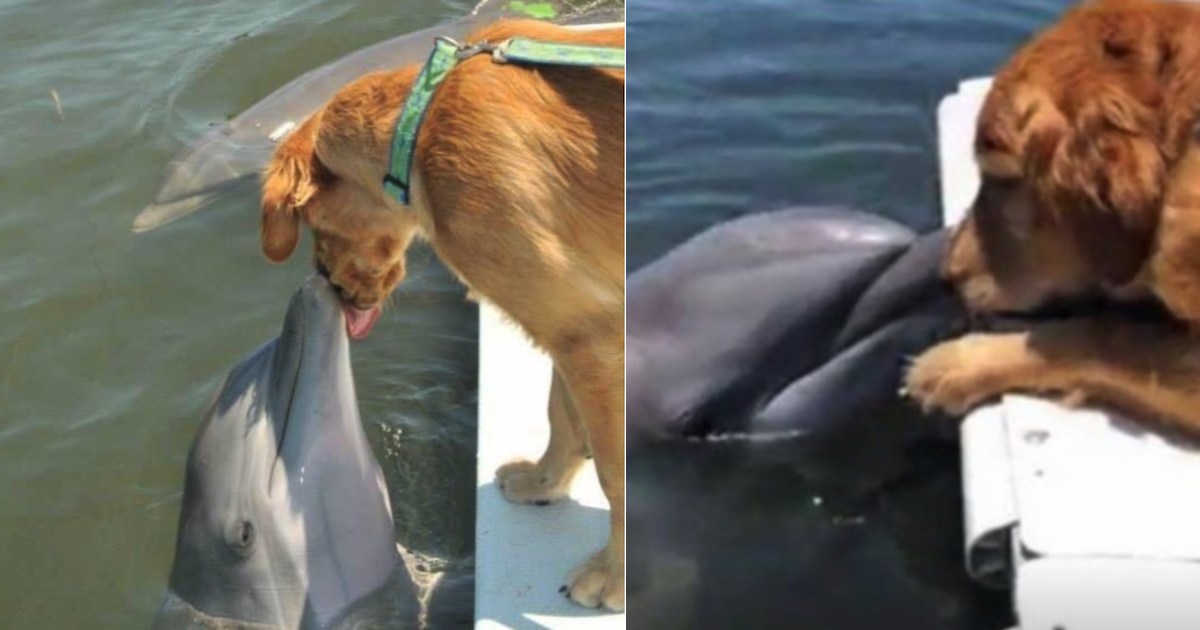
column 736, row 107
column 112, row 344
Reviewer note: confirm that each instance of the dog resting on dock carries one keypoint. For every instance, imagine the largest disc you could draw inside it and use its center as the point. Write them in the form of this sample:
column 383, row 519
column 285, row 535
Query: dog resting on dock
column 1090, row 192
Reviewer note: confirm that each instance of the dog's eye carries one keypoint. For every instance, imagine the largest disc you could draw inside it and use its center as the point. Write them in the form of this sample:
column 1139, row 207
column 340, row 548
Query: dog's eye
column 995, row 192
column 1000, row 185
column 1117, row 49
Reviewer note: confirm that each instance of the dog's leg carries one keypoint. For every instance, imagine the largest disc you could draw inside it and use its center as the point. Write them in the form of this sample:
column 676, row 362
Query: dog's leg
column 548, row 480
column 594, row 370
column 1150, row 371
column 1175, row 268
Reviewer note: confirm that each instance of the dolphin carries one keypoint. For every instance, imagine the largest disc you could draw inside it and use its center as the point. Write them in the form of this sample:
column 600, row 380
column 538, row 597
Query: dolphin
column 285, row 520
column 764, row 359
column 781, row 324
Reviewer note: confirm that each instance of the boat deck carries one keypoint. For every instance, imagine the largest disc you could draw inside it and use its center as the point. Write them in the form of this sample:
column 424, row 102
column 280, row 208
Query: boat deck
column 523, row 553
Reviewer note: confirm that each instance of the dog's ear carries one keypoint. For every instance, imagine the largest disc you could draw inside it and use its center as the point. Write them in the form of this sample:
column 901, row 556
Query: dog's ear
column 1112, row 167
column 279, row 233
column 998, row 135
column 291, row 179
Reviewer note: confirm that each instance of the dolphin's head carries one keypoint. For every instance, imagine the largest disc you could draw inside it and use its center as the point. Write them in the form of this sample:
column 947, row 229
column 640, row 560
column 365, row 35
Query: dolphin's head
column 285, row 519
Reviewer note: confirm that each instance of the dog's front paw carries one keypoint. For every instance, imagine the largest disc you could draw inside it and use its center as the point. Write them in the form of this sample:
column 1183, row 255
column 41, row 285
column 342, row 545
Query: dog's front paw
column 950, row 377
column 598, row 583
column 524, row 481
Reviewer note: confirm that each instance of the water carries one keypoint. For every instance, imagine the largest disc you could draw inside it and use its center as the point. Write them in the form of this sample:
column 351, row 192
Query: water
column 112, row 344
column 775, row 102
column 735, row 107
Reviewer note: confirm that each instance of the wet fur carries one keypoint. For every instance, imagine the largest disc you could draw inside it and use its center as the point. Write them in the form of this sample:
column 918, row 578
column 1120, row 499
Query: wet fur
column 1090, row 189
column 519, row 186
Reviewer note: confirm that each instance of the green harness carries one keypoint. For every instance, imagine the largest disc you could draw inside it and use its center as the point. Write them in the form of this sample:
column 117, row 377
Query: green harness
column 446, row 54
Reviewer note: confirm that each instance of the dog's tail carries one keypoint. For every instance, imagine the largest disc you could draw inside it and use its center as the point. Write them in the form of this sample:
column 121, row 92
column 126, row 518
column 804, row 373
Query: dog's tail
column 291, row 178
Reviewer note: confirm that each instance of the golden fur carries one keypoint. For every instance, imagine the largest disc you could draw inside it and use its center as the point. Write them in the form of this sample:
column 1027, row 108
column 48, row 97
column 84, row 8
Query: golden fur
column 1090, row 188
column 519, row 186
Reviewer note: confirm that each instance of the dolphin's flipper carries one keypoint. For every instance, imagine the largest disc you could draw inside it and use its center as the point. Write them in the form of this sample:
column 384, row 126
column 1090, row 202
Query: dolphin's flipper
column 782, row 323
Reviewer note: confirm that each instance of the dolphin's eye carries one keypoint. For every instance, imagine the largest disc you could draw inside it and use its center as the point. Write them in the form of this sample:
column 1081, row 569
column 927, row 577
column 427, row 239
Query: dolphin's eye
column 241, row 537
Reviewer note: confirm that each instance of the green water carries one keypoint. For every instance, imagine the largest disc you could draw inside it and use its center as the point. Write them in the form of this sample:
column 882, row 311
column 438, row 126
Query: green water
column 112, row 344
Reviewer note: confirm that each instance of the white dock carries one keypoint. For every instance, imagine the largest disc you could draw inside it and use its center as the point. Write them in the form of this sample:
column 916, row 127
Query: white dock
column 522, row 552
column 1087, row 516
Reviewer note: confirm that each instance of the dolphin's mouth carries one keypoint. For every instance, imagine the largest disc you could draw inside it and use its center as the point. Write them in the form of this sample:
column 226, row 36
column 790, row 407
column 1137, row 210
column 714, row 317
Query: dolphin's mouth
column 304, row 311
column 313, row 311
column 292, row 381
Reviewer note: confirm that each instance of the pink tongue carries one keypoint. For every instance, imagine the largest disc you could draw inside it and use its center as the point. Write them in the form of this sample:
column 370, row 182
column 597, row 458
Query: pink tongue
column 359, row 322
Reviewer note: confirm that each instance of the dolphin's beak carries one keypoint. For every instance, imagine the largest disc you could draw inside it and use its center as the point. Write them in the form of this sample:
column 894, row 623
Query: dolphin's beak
column 312, row 329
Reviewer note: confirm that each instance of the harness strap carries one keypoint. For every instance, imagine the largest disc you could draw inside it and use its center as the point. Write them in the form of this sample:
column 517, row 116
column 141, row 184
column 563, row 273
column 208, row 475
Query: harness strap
column 445, row 55
column 441, row 60
column 524, row 50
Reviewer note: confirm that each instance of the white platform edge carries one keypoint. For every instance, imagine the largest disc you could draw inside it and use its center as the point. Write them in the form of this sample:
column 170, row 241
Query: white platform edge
column 523, row 553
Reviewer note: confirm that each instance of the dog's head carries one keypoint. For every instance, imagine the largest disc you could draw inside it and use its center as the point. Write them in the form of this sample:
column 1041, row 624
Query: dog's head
column 1076, row 143
column 359, row 238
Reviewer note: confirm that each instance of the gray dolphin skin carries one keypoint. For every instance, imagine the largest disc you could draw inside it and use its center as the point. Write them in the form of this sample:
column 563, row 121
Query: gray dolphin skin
column 764, row 359
column 783, row 323
column 237, row 150
column 285, row 519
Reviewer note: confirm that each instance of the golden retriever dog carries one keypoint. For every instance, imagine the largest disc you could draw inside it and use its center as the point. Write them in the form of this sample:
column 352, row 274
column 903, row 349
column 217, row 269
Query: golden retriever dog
column 519, row 186
column 1090, row 189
